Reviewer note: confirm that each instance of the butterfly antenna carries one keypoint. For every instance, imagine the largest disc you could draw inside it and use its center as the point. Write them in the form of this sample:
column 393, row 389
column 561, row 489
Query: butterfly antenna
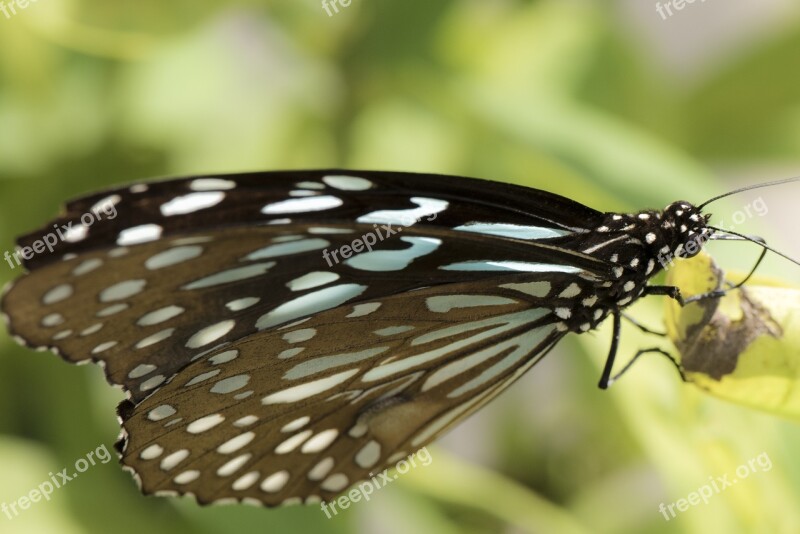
column 749, row 188
column 727, row 236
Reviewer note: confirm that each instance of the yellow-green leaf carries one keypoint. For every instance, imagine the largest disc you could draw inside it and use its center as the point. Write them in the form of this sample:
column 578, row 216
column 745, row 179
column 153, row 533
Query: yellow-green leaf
column 743, row 347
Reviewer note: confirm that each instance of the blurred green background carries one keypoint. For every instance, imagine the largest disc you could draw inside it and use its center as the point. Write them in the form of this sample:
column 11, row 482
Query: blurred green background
column 605, row 101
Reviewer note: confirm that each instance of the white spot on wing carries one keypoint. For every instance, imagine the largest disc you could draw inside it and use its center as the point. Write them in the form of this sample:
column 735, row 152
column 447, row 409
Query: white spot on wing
column 57, row 294
column 161, row 412
column 324, row 230
column 103, row 347
column 310, row 185
column 234, row 465
column 293, row 442
column 204, row 423
column 174, row 459
column 51, row 320
column 408, row 217
column 187, row 476
column 369, row 454
column 152, row 383
column 122, row 290
column 529, row 267
column 224, row 357
column 347, row 183
column 73, row 234
column 173, row 256
column 155, row 338
column 394, row 260
column 321, row 470
column 311, row 280
column 111, row 310
column 191, row 203
column 296, row 424
column 335, row 483
column 317, row 301
column 299, row 336
column 230, row 384
column 360, row 310
column 241, row 304
column 301, row 205
column 210, row 334
column 275, row 482
column 326, row 363
column 309, row 389
column 535, row 289
column 572, row 290
column 141, row 370
column 234, row 444
column 515, row 231
column 320, row 442
column 393, row 330
column 203, row 377
column 160, row 315
column 286, row 249
column 152, row 452
column 139, row 234
column 231, row 275
column 87, row 266
column 211, row 184
column 246, row 481
column 445, row 303
column 247, row 420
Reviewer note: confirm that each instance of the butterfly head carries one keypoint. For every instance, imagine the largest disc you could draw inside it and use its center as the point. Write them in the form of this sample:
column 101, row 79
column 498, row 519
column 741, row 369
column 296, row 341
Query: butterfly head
column 687, row 228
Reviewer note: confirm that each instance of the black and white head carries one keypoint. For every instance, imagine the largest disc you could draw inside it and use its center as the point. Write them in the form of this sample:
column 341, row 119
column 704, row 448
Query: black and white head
column 685, row 229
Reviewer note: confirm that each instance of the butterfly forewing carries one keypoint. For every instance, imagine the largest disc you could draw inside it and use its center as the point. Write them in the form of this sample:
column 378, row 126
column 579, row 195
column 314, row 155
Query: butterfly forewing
column 147, row 310
column 161, row 209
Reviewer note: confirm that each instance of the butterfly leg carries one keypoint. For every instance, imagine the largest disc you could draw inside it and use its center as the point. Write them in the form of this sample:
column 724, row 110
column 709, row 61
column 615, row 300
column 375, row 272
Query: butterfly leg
column 606, row 379
column 612, row 353
column 646, row 351
column 666, row 291
column 642, row 327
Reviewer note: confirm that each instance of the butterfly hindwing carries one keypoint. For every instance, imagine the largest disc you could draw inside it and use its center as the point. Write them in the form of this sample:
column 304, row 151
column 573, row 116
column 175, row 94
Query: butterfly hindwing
column 310, row 408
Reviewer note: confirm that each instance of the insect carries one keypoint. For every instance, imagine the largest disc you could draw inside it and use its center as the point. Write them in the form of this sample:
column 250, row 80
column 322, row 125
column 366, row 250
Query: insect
column 283, row 335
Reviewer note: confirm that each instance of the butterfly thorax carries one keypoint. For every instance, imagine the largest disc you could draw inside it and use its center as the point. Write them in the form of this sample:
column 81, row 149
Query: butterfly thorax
column 636, row 247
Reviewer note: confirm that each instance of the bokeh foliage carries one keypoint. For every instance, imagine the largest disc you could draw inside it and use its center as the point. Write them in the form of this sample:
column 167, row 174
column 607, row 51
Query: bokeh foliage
column 563, row 96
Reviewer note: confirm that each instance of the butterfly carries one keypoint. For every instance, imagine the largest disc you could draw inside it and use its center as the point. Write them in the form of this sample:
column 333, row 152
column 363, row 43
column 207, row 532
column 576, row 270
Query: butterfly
column 281, row 336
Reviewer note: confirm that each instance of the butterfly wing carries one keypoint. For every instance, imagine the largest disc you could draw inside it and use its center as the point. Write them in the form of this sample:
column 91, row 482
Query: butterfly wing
column 200, row 268
column 306, row 410
column 155, row 210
